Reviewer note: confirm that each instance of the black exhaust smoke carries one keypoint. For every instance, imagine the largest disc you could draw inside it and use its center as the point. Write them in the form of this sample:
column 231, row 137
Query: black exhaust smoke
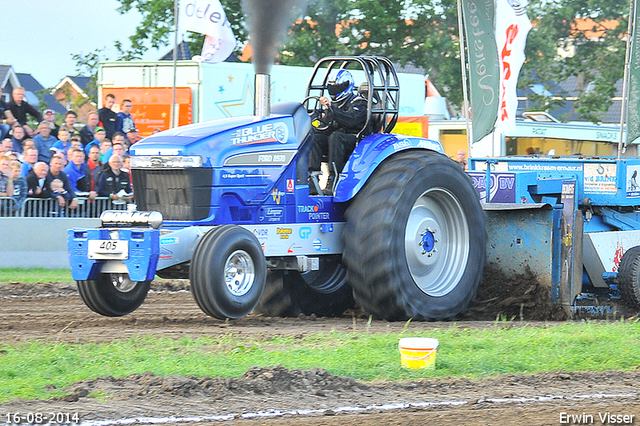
column 268, row 22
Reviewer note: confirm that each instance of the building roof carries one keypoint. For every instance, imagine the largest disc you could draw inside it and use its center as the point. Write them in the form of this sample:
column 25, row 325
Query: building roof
column 79, row 83
column 32, row 87
column 4, row 72
column 184, row 53
column 569, row 90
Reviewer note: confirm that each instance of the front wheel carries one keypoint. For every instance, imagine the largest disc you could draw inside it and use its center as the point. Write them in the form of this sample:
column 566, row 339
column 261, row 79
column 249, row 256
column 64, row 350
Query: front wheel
column 415, row 239
column 228, row 272
column 113, row 295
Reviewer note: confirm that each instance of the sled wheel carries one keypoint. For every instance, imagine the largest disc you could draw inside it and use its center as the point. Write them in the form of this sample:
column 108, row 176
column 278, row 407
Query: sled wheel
column 113, row 295
column 228, row 272
column 415, row 239
column 324, row 293
column 629, row 277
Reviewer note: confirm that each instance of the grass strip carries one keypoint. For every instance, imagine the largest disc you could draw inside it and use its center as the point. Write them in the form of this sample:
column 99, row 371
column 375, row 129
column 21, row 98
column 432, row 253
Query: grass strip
column 35, row 275
column 26, row 369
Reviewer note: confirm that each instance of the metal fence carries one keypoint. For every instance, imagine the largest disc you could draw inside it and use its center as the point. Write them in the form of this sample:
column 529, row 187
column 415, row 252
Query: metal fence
column 49, row 207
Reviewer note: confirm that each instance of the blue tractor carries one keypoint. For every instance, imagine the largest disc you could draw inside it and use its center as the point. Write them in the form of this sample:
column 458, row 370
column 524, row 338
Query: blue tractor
column 227, row 204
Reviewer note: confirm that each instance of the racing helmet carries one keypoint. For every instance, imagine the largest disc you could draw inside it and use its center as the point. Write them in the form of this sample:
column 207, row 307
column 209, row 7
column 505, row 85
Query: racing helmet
column 341, row 87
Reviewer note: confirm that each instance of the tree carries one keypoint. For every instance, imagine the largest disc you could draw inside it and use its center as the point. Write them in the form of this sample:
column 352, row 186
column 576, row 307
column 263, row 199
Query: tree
column 423, row 33
column 314, row 35
column 576, row 39
column 87, row 65
column 157, row 26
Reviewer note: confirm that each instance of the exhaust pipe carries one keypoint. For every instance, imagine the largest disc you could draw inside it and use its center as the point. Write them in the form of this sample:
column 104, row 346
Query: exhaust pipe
column 262, row 101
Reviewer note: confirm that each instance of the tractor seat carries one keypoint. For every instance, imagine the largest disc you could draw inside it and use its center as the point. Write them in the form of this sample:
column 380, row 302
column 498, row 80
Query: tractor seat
column 376, row 121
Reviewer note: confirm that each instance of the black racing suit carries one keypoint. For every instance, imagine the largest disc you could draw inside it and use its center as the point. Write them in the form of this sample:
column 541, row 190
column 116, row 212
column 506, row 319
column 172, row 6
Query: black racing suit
column 339, row 140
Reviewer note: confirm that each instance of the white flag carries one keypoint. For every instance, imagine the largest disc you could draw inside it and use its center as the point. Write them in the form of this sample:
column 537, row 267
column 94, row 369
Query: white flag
column 512, row 27
column 207, row 17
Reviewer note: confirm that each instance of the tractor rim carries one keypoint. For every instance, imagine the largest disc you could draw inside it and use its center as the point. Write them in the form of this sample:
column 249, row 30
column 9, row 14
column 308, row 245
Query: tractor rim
column 437, row 242
column 239, row 273
column 123, row 283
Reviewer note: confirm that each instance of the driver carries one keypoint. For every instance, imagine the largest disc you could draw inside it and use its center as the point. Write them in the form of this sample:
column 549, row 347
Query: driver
column 347, row 111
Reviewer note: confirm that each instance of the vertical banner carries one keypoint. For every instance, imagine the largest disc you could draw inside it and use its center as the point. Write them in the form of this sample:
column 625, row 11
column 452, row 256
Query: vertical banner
column 633, row 110
column 512, row 27
column 207, row 17
column 484, row 72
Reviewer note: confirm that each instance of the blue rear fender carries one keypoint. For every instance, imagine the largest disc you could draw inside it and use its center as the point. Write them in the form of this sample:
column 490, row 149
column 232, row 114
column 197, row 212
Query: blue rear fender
column 369, row 154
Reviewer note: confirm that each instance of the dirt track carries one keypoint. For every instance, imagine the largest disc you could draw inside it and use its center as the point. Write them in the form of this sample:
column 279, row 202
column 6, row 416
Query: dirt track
column 54, row 312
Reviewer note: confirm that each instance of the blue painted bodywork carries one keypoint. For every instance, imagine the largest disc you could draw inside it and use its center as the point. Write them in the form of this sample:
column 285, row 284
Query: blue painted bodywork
column 259, row 177
column 606, row 196
column 144, row 250
column 265, row 193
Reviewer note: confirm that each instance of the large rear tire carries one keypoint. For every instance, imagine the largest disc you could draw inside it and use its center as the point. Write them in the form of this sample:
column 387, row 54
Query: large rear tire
column 228, row 272
column 113, row 295
column 415, row 239
column 324, row 293
column 629, row 277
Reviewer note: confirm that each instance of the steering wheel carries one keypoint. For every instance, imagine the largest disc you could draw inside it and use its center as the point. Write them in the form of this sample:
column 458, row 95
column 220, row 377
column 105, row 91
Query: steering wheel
column 321, row 116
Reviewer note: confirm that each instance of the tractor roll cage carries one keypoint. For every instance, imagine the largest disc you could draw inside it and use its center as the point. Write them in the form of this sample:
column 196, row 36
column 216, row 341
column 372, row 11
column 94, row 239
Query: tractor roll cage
column 381, row 88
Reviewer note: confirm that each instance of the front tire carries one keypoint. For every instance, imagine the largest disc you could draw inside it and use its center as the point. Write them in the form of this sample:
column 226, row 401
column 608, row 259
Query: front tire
column 228, row 272
column 415, row 239
column 113, row 295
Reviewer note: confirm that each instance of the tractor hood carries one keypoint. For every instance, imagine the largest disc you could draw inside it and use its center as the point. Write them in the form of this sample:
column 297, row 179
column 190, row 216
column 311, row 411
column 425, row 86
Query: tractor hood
column 218, row 142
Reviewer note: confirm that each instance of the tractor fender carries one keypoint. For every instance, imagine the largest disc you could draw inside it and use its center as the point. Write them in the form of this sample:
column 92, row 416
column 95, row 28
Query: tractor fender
column 369, row 154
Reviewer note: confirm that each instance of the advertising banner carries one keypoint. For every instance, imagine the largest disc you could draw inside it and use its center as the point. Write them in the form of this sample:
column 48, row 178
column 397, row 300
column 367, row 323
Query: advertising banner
column 484, row 71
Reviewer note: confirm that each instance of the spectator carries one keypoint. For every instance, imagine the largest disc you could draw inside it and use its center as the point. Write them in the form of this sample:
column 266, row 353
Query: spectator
column 19, row 185
column 89, row 129
column 62, row 158
column 44, row 141
column 117, row 148
column 36, row 179
column 125, row 120
column 7, row 145
column 20, row 108
column 113, row 182
column 126, row 167
column 79, row 174
column 461, row 158
column 6, row 184
column 62, row 144
column 132, row 137
column 29, row 159
column 121, row 139
column 55, row 172
column 105, row 149
column 99, row 136
column 107, row 116
column 17, row 138
column 95, row 166
column 75, row 142
column 69, row 122
column 6, row 117
column 50, row 116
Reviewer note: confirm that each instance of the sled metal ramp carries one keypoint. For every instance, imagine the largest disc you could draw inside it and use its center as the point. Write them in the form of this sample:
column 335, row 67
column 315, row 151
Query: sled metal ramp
column 520, row 240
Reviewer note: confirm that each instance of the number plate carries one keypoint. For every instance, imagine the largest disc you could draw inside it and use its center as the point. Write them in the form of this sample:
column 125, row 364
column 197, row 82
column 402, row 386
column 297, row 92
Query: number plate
column 108, row 249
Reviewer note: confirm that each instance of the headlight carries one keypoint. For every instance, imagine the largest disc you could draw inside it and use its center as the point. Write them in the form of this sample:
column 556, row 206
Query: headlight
column 165, row 161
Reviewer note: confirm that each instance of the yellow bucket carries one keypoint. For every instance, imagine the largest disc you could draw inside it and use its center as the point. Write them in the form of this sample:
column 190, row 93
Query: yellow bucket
column 418, row 352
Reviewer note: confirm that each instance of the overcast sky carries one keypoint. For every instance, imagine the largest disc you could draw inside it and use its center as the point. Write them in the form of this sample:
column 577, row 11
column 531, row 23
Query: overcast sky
column 38, row 37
